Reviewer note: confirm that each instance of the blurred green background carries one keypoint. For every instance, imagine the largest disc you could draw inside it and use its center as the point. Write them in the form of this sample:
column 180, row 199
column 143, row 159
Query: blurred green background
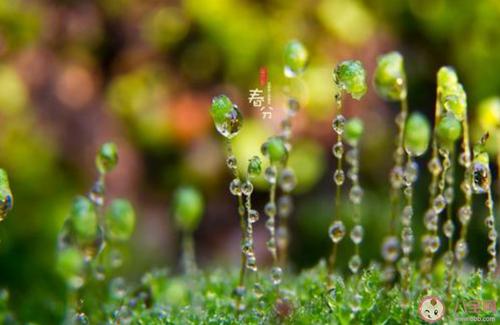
column 74, row 74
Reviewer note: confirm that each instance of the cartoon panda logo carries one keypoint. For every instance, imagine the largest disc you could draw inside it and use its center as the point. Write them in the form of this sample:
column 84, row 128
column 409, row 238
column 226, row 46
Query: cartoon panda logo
column 431, row 309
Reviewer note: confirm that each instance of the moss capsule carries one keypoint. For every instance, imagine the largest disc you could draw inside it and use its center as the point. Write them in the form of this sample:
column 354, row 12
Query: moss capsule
column 353, row 130
column 84, row 218
column 295, row 56
column 448, row 129
column 390, row 78
column 274, row 148
column 187, row 208
column 350, row 76
column 120, row 220
column 417, row 134
column 107, row 157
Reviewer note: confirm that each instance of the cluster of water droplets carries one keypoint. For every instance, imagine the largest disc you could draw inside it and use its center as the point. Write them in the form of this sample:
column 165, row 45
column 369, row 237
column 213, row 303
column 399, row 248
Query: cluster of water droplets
column 355, row 196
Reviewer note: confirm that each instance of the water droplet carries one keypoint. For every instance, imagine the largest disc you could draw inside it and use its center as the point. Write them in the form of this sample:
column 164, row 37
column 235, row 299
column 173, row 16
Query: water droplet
column 449, row 195
column 461, row 249
column 239, row 291
column 338, row 150
column 235, row 187
column 231, row 162
column 356, row 194
column 276, row 274
column 434, row 166
column 490, row 222
column 257, row 290
column 337, row 231
column 338, row 124
column 439, row 204
column 288, row 180
column 271, row 245
column 464, row 214
column 231, row 124
column 352, row 156
column 251, row 263
column 117, row 288
column 407, row 240
column 396, row 177
column 431, row 220
column 356, row 303
column 339, row 177
column 492, row 235
column 492, row 249
column 389, row 273
column 247, row 188
column 270, row 174
column 411, row 172
column 464, row 159
column 253, row 216
column 357, row 234
column 81, row 319
column 492, row 266
column 448, row 228
column 407, row 215
column 481, row 179
column 355, row 263
column 390, row 249
column 285, row 206
column 270, row 209
column 96, row 194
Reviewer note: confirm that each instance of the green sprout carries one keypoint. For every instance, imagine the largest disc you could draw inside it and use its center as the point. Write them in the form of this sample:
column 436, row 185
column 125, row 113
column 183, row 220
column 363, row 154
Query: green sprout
column 83, row 219
column 275, row 150
column 187, row 210
column 349, row 76
column 228, row 122
column 6, row 197
column 390, row 83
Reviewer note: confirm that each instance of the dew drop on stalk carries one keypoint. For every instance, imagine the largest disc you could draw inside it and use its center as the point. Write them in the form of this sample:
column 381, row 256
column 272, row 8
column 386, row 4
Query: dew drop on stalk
column 253, row 216
column 288, row 180
column 439, row 204
column 96, row 194
column 356, row 303
column 338, row 150
column 270, row 209
column 231, row 162
column 448, row 228
column 357, row 234
column 339, row 177
column 235, row 187
column 431, row 220
column 480, row 177
column 461, row 249
column 464, row 214
column 285, row 206
column 390, row 249
column 270, row 174
column 355, row 263
column 434, row 166
column 257, row 290
column 276, row 275
column 81, row 319
column 247, row 188
column 251, row 263
column 338, row 124
column 337, row 231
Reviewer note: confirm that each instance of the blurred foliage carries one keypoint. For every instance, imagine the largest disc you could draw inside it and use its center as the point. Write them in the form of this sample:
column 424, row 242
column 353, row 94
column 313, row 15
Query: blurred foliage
column 74, row 73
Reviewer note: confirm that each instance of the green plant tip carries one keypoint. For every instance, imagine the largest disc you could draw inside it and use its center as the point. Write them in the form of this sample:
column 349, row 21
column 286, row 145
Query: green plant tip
column 254, row 166
column 84, row 218
column 417, row 134
column 390, row 78
column 70, row 262
column 295, row 57
column 227, row 117
column 274, row 149
column 446, row 78
column 107, row 158
column 350, row 76
column 120, row 220
column 353, row 130
column 489, row 114
column 449, row 129
column 6, row 198
column 187, row 208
